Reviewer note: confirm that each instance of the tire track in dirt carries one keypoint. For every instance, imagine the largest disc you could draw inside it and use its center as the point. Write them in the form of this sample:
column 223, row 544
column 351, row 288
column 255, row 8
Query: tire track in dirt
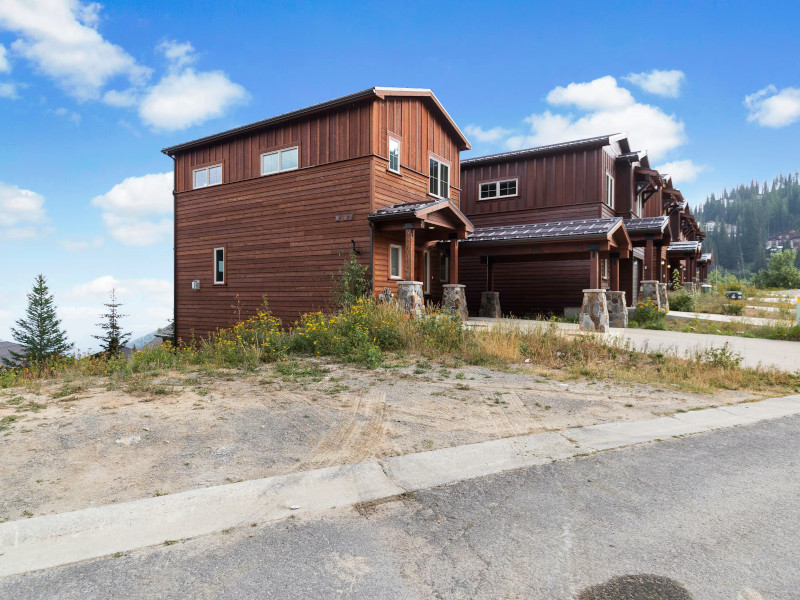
column 512, row 418
column 360, row 435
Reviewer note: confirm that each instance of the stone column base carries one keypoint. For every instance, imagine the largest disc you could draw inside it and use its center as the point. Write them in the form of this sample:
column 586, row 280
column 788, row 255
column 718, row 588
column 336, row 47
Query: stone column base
column 490, row 305
column 410, row 298
column 454, row 299
column 651, row 289
column 617, row 309
column 594, row 311
column 662, row 290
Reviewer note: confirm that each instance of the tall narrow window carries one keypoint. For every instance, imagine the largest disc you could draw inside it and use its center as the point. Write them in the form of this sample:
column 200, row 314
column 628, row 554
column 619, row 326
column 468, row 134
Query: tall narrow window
column 395, row 262
column 219, row 265
column 207, row 176
column 444, row 268
column 426, row 273
column 609, row 190
column 439, row 174
column 280, row 160
column 394, row 155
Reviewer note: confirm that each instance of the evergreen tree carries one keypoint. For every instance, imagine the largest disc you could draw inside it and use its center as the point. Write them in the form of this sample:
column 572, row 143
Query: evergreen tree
column 39, row 333
column 113, row 339
column 797, row 258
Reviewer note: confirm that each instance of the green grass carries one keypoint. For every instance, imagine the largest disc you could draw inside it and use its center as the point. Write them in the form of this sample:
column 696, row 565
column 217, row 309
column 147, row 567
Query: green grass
column 778, row 331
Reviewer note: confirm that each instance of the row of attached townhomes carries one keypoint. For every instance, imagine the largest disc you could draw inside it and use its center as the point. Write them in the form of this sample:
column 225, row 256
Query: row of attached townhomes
column 273, row 208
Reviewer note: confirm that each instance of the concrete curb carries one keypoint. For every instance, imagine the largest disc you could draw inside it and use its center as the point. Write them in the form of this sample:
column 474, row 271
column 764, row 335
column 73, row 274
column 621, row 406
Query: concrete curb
column 55, row 540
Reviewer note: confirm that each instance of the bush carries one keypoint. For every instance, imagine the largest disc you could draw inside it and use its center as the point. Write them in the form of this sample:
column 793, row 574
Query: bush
column 682, row 301
column 649, row 315
column 351, row 283
column 780, row 272
column 734, row 307
column 722, row 357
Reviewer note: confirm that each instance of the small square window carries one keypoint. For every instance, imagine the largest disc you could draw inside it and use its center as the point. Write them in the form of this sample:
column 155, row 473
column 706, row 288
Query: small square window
column 206, row 176
column 215, row 175
column 201, row 178
column 488, row 190
column 280, row 160
column 289, row 159
column 270, row 163
column 394, row 155
column 508, row 188
column 395, row 262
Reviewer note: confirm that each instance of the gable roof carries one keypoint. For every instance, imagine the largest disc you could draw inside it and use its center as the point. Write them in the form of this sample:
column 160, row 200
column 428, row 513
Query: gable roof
column 565, row 230
column 647, row 224
column 594, row 142
column 420, row 210
column 373, row 92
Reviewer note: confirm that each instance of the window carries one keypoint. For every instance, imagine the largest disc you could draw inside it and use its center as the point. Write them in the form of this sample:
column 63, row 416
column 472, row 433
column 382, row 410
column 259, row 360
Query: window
column 219, row 265
column 444, row 267
column 394, row 155
column 639, row 204
column 395, row 262
column 604, row 268
column 426, row 273
column 439, row 178
column 498, row 189
column 207, row 176
column 609, row 190
column 280, row 160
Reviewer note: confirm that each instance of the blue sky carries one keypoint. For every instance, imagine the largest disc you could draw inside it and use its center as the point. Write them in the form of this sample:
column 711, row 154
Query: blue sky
column 90, row 93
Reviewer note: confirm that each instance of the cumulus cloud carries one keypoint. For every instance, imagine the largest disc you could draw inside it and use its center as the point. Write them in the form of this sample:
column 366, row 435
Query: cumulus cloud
column 607, row 109
column 5, row 66
column 22, row 214
column 61, row 39
column 77, row 245
column 775, row 108
column 487, row 136
column 138, row 211
column 179, row 54
column 682, row 171
column 661, row 83
column 8, row 90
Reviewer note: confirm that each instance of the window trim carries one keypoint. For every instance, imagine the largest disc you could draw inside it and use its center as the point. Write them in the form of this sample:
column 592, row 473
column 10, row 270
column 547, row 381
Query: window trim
column 610, row 189
column 279, row 152
column 214, row 266
column 497, row 183
column 399, row 262
column 440, row 162
column 393, row 138
column 444, row 268
column 207, row 168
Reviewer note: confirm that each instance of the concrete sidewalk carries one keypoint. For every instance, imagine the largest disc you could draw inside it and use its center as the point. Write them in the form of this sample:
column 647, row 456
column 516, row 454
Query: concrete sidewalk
column 53, row 540
column 778, row 354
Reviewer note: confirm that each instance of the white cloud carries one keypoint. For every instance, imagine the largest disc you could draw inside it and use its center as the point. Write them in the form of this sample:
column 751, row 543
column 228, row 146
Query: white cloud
column 61, row 39
column 22, row 214
column 188, row 98
column 138, row 211
column 77, row 245
column 5, row 66
column 70, row 115
column 681, row 171
column 121, row 99
column 661, row 83
column 487, row 136
column 775, row 108
column 600, row 94
column 178, row 54
column 8, row 90
column 608, row 109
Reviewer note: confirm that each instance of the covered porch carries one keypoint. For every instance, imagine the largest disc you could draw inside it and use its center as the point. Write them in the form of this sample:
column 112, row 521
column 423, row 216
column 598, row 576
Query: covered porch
column 650, row 238
column 683, row 257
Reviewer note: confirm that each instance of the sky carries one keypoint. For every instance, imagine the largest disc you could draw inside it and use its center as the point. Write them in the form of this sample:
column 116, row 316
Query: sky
column 90, row 93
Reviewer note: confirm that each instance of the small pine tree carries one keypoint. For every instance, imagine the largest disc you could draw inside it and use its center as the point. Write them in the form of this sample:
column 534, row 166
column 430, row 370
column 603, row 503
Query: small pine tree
column 39, row 333
column 113, row 339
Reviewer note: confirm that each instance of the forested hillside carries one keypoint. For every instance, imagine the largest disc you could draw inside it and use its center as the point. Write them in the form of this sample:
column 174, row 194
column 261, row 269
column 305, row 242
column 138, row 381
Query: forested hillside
column 758, row 212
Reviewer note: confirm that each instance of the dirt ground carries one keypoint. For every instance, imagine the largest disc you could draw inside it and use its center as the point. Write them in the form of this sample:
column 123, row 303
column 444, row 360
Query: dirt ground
column 68, row 446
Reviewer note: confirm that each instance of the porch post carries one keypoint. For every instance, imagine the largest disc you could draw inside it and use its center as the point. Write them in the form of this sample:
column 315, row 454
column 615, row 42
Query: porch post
column 489, row 274
column 659, row 274
column 453, row 261
column 594, row 267
column 614, row 258
column 408, row 250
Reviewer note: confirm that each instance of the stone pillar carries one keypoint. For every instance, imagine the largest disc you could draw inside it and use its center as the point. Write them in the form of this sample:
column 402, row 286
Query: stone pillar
column 650, row 289
column 617, row 309
column 490, row 305
column 409, row 297
column 662, row 292
column 455, row 299
column 594, row 311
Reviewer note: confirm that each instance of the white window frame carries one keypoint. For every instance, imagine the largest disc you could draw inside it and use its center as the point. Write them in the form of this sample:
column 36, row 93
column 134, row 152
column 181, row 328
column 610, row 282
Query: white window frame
column 399, row 261
column 604, row 268
column 439, row 162
column 496, row 185
column 444, row 268
column 214, row 272
column 280, row 152
column 399, row 154
column 208, row 178
column 426, row 272
column 639, row 204
column 609, row 189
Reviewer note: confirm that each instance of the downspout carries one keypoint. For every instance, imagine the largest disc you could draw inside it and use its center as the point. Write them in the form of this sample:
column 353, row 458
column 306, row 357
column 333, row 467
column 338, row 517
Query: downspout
column 174, row 254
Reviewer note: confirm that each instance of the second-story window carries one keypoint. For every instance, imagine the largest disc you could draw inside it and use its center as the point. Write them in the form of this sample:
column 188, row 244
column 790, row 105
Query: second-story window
column 207, row 176
column 498, row 189
column 609, row 190
column 280, row 160
column 394, row 155
column 439, row 173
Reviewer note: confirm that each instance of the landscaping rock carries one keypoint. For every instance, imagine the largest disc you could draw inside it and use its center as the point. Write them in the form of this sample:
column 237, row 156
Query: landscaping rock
column 490, row 305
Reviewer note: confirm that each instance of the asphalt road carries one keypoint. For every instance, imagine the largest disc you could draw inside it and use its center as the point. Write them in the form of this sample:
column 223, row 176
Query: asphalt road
column 703, row 517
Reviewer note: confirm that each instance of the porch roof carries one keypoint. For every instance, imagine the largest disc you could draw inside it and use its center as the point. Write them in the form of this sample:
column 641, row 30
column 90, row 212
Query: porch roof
column 422, row 211
column 705, row 257
column 563, row 230
column 647, row 225
column 681, row 247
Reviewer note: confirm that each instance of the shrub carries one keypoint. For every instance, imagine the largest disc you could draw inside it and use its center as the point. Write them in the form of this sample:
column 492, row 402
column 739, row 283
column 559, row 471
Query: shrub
column 780, row 272
column 722, row 357
column 248, row 343
column 649, row 315
column 441, row 331
column 682, row 301
column 351, row 283
column 734, row 307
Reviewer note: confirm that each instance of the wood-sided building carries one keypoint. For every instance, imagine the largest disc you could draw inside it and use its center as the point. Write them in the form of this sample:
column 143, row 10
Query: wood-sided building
column 273, row 208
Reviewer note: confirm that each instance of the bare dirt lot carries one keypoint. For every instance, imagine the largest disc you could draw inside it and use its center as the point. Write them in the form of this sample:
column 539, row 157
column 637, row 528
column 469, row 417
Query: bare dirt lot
column 66, row 446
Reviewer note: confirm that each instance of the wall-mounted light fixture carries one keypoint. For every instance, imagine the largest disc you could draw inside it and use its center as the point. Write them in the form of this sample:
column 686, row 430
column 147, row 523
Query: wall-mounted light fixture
column 196, row 284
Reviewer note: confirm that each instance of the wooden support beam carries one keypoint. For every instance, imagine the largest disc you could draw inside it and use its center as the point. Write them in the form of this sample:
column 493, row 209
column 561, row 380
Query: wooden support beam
column 453, row 261
column 408, row 250
column 490, row 274
column 649, row 266
column 614, row 267
column 594, row 269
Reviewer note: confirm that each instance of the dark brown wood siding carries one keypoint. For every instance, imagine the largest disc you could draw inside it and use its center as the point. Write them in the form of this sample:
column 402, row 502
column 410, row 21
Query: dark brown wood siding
column 282, row 241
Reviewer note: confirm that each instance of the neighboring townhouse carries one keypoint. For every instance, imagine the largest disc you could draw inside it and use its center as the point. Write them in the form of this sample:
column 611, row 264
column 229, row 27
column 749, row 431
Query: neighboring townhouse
column 272, row 209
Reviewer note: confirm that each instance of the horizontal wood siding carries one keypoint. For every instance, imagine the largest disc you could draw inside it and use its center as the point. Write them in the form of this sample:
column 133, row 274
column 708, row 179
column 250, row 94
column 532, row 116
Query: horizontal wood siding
column 281, row 238
column 339, row 134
